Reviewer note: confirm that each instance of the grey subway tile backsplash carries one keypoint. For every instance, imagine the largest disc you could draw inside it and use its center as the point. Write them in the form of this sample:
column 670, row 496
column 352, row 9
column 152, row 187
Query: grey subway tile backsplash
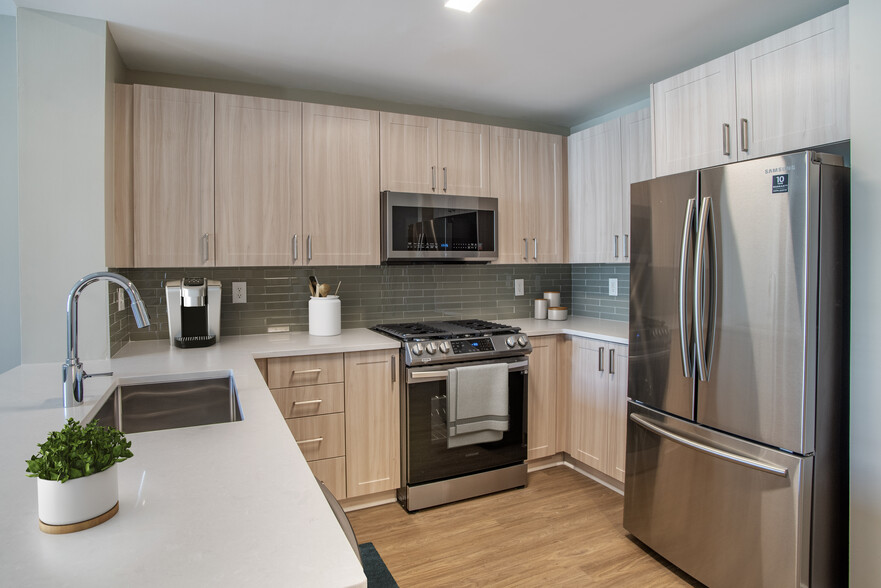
column 279, row 296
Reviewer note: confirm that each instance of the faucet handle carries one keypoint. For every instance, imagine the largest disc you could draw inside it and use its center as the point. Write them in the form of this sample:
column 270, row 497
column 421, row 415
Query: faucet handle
column 85, row 375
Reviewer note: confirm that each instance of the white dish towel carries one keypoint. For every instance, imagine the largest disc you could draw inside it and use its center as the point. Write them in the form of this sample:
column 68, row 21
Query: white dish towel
column 477, row 404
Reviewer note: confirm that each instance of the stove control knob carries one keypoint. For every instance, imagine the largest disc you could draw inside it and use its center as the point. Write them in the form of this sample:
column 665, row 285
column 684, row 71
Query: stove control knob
column 417, row 349
column 522, row 340
column 510, row 341
column 444, row 347
column 431, row 348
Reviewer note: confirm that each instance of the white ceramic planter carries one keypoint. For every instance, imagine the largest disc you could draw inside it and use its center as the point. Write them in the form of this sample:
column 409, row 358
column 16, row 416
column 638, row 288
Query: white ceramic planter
column 77, row 500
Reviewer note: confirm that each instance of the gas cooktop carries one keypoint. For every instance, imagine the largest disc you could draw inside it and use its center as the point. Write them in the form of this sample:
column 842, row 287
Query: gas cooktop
column 462, row 340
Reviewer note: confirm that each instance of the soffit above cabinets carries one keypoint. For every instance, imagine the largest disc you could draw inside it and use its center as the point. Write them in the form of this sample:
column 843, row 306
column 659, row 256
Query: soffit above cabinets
column 552, row 63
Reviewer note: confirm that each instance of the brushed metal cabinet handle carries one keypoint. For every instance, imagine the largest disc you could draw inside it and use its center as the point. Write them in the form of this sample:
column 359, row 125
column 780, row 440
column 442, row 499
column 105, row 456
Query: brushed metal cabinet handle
column 309, row 248
column 612, row 361
column 744, row 135
column 726, row 139
column 316, row 401
column 204, row 248
column 295, row 248
column 616, row 246
column 525, row 248
column 433, row 178
column 315, row 440
column 312, row 371
column 600, row 366
column 626, row 246
column 394, row 371
column 535, row 248
column 445, row 179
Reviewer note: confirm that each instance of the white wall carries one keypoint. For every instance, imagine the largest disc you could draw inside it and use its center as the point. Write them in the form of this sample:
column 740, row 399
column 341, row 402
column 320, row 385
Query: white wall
column 61, row 97
column 10, row 325
column 865, row 466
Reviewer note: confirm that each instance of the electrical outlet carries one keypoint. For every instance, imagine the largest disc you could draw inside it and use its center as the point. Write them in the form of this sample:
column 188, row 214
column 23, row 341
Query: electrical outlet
column 239, row 292
column 518, row 287
column 613, row 286
column 120, row 299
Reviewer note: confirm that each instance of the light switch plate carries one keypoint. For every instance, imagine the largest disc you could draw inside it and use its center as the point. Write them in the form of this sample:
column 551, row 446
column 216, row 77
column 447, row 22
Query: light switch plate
column 613, row 286
column 518, row 287
column 239, row 292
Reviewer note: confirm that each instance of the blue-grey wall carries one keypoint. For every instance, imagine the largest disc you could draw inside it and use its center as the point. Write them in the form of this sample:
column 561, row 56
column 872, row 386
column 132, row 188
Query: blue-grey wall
column 10, row 304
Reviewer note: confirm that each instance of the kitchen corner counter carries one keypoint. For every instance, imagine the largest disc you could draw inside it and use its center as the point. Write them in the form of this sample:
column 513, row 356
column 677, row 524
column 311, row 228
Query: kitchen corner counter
column 225, row 505
column 579, row 326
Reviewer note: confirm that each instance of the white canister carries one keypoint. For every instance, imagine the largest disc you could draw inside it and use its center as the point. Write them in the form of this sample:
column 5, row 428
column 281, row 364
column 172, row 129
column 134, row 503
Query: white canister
column 541, row 308
column 324, row 316
column 553, row 298
column 557, row 313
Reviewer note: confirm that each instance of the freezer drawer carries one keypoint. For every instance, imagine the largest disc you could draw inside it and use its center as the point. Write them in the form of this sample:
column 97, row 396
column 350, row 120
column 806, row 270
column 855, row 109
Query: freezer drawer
column 725, row 511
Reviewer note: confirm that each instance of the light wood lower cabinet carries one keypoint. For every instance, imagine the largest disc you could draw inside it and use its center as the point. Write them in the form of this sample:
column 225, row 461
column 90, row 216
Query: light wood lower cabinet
column 542, row 409
column 343, row 410
column 598, row 405
column 373, row 436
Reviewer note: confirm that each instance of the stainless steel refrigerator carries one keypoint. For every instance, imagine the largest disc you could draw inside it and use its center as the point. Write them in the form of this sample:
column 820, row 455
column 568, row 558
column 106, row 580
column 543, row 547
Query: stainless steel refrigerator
column 737, row 433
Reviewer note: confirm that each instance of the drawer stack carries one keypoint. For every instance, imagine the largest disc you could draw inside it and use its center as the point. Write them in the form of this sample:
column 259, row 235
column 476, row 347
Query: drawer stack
column 310, row 392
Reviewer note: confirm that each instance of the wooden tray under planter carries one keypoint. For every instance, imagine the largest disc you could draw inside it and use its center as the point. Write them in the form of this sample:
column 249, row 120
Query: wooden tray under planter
column 80, row 526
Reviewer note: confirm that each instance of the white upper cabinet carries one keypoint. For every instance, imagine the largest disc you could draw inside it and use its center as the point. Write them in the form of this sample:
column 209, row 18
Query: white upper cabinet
column 787, row 92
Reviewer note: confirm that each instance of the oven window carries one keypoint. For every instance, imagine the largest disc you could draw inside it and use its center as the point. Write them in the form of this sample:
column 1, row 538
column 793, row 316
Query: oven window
column 428, row 457
column 421, row 228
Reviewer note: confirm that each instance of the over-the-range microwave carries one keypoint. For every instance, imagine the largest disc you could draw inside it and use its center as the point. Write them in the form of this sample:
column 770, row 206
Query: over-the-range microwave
column 438, row 228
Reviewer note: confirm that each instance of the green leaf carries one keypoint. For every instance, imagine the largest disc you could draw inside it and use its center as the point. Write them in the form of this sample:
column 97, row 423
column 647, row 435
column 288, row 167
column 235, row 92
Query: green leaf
column 76, row 451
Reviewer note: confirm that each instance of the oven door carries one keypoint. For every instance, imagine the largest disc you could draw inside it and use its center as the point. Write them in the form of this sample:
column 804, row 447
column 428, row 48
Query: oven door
column 427, row 458
column 437, row 227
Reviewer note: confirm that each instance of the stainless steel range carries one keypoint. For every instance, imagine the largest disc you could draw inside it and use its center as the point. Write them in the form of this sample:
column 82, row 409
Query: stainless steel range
column 463, row 409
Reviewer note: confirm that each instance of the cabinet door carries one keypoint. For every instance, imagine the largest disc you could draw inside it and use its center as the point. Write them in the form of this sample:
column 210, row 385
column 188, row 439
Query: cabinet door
column 690, row 114
column 408, row 153
column 173, row 177
column 543, row 194
column 542, row 397
column 257, row 192
column 595, row 194
column 507, row 155
column 463, row 158
column 636, row 164
column 340, row 185
column 373, row 438
column 618, row 411
column 590, row 408
column 792, row 88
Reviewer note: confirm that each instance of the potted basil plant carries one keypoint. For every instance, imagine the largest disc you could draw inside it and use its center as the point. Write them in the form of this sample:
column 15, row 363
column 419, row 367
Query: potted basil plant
column 77, row 485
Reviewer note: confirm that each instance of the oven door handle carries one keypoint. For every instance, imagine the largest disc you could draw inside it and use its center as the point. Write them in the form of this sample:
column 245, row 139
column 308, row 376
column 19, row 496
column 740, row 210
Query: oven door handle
column 442, row 374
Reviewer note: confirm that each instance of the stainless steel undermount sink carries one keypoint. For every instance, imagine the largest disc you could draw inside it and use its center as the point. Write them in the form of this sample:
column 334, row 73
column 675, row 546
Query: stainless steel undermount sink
column 169, row 404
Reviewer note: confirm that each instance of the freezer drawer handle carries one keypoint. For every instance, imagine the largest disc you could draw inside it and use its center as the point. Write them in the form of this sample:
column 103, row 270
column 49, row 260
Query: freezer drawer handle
column 727, row 456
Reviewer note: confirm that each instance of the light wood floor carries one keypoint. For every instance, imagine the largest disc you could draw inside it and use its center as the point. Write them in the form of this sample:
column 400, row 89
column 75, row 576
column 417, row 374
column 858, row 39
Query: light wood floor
column 562, row 529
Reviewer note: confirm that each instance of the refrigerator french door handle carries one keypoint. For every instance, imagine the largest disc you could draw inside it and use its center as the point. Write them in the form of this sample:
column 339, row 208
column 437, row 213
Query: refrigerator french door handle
column 706, row 211
column 720, row 453
column 683, row 287
column 713, row 276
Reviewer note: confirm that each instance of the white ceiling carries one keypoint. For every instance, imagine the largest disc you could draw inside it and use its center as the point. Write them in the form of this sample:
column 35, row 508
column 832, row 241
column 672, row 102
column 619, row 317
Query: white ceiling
column 554, row 62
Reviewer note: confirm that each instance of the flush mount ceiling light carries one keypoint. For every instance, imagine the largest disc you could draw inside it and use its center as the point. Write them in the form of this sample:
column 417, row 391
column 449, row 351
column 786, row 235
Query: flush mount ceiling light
column 463, row 5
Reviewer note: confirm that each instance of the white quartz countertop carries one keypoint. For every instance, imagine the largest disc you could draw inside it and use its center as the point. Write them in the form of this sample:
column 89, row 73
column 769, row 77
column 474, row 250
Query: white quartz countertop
column 231, row 504
column 224, row 505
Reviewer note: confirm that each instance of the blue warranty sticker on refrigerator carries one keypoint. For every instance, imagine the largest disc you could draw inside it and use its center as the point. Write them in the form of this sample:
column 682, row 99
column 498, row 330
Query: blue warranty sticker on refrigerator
column 779, row 183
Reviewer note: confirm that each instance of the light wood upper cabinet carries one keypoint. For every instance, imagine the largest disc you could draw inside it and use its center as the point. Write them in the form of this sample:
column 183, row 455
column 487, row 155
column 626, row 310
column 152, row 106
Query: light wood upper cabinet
column 792, row 88
column 787, row 92
column 173, row 177
column 434, row 156
column 257, row 189
column 527, row 178
column 542, row 407
column 463, row 158
column 340, row 186
column 695, row 115
column 598, row 405
column 409, row 153
column 373, row 436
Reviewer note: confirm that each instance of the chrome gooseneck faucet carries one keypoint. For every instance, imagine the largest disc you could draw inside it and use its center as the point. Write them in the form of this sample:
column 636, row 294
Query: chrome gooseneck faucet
column 72, row 370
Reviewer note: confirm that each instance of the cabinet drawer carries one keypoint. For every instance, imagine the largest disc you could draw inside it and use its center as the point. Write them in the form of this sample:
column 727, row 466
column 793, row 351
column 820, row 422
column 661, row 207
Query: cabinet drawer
column 333, row 473
column 320, row 437
column 305, row 370
column 307, row 401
